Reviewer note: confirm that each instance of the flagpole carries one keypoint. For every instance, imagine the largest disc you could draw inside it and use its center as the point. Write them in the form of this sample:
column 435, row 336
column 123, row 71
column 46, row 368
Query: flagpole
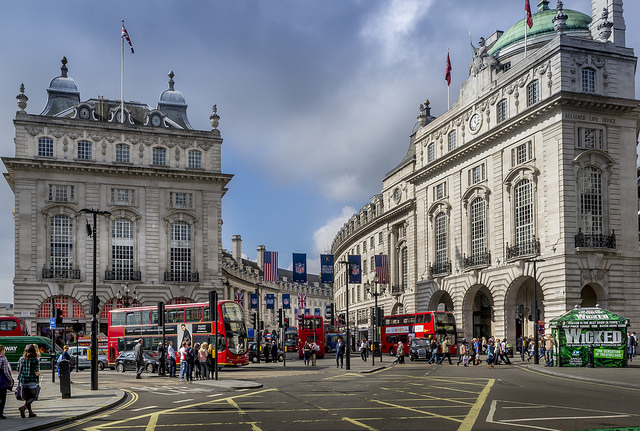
column 525, row 34
column 448, row 87
column 122, row 77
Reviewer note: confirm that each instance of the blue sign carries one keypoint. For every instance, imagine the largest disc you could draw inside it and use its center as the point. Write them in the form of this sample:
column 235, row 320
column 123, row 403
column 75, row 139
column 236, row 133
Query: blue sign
column 250, row 333
column 52, row 323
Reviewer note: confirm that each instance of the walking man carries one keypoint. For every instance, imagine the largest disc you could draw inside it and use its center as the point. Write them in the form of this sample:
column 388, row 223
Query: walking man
column 171, row 354
column 340, row 351
column 139, row 357
column 548, row 351
column 161, row 359
column 445, row 351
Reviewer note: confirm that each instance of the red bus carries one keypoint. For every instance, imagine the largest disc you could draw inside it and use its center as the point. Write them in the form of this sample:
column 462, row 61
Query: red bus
column 11, row 326
column 404, row 327
column 311, row 328
column 291, row 339
column 183, row 321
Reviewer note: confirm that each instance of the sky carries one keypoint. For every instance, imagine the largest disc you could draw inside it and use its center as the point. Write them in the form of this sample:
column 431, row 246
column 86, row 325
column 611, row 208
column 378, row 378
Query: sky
column 317, row 99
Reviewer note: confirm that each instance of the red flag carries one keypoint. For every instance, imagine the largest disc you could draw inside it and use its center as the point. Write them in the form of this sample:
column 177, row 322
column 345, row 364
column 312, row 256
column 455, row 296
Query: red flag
column 447, row 74
column 125, row 35
column 527, row 9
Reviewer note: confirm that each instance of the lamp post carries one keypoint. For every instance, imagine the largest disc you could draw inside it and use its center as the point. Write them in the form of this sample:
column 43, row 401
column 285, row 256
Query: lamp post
column 125, row 299
column 375, row 294
column 94, row 298
column 258, row 337
column 534, row 310
column 346, row 264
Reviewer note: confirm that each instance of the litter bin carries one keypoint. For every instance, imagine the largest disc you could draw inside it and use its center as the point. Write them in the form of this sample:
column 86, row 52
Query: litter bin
column 64, row 368
column 590, row 357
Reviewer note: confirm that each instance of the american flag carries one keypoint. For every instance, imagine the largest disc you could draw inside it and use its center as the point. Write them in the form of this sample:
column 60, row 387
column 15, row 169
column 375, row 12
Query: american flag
column 125, row 34
column 239, row 297
column 270, row 266
column 302, row 300
column 382, row 268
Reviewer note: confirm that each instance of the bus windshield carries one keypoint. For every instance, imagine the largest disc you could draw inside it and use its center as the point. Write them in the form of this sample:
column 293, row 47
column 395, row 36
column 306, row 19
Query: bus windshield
column 234, row 328
column 445, row 325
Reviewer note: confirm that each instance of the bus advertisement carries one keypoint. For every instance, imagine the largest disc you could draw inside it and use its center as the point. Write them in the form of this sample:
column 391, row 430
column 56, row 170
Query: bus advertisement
column 429, row 324
column 182, row 322
column 311, row 328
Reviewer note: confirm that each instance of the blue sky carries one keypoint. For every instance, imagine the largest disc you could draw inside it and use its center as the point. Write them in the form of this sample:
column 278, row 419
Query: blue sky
column 317, row 99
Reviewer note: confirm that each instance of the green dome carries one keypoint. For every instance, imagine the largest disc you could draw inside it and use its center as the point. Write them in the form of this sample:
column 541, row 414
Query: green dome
column 542, row 24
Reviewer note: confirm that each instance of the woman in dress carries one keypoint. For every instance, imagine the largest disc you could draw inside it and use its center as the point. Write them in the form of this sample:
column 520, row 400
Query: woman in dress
column 6, row 380
column 28, row 376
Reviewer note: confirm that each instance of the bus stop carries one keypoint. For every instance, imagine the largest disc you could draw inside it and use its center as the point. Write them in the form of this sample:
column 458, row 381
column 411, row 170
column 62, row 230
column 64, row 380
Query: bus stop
column 590, row 337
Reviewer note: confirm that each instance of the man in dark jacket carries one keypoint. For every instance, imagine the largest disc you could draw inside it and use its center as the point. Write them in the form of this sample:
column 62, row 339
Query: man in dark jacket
column 139, row 357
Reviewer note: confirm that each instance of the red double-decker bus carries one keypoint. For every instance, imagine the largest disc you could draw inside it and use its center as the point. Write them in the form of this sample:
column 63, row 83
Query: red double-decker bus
column 429, row 324
column 183, row 321
column 311, row 328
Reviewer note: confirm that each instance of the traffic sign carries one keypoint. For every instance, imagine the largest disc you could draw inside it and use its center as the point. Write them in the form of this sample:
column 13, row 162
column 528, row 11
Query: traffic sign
column 52, row 323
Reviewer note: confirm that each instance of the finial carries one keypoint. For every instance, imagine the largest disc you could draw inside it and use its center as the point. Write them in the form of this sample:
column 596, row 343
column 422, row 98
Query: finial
column 22, row 98
column 171, row 81
column 64, row 69
column 605, row 26
column 426, row 103
column 214, row 118
column 422, row 116
column 560, row 20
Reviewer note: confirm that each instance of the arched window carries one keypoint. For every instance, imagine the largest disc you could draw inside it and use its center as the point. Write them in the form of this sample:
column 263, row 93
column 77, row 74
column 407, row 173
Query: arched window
column 195, row 159
column 588, row 80
column 440, row 230
column 477, row 213
column 122, row 249
column 523, row 215
column 591, row 211
column 533, row 92
column 181, row 260
column 123, row 153
column 159, row 156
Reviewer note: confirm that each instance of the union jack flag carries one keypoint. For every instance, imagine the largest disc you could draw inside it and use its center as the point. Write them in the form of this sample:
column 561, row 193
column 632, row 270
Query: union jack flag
column 239, row 297
column 302, row 300
column 125, row 35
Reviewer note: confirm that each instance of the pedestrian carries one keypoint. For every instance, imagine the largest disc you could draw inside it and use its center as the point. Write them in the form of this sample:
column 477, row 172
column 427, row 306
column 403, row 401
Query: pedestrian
column 490, row 354
column 171, row 354
column 211, row 360
column 476, row 351
column 446, row 350
column 400, row 352
column 314, row 352
column 341, row 349
column 267, row 351
column 462, row 351
column 635, row 344
column 65, row 356
column 435, row 357
column 190, row 355
column 364, row 349
column 138, row 354
column 196, row 360
column 306, row 352
column 202, row 358
column 274, row 352
column 183, row 360
column 161, row 359
column 28, row 378
column 548, row 351
column 6, row 380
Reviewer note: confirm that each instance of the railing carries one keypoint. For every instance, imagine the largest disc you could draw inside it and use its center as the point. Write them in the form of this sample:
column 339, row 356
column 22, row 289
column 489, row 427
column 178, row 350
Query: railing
column 526, row 248
column 70, row 274
column 122, row 275
column 397, row 290
column 479, row 259
column 440, row 269
column 183, row 276
column 596, row 240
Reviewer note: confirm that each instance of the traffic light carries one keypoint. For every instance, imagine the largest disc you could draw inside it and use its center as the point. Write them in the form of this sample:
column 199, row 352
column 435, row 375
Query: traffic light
column 341, row 319
column 380, row 316
column 286, row 322
column 213, row 305
column 58, row 316
column 160, row 313
column 261, row 325
column 254, row 320
column 280, row 318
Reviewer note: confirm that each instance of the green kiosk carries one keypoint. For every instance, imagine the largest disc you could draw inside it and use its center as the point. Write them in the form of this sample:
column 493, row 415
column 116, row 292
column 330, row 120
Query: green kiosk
column 590, row 337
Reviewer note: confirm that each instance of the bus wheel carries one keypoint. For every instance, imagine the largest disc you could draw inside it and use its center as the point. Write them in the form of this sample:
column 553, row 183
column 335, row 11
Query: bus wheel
column 392, row 352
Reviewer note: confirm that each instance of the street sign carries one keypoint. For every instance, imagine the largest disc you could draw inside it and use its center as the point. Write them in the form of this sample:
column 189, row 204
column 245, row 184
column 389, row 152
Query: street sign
column 250, row 333
column 52, row 323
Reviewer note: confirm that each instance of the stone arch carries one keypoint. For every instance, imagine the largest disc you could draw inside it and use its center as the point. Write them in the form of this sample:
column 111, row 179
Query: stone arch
column 592, row 294
column 398, row 308
column 441, row 300
column 477, row 312
column 520, row 293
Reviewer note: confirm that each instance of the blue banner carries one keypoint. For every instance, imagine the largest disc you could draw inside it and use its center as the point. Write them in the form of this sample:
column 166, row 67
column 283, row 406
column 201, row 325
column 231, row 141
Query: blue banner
column 299, row 268
column 317, row 312
column 355, row 274
column 307, row 312
column 286, row 301
column 326, row 268
column 270, row 301
column 254, row 300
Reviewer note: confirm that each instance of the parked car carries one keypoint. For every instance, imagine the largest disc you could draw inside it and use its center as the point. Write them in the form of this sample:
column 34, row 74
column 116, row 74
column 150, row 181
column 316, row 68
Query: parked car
column 420, row 348
column 80, row 355
column 253, row 357
column 126, row 361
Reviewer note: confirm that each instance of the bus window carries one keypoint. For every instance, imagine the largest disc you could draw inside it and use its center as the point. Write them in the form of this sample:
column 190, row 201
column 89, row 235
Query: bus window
column 193, row 315
column 427, row 318
column 154, row 317
column 408, row 319
column 176, row 316
column 117, row 319
column 419, row 318
column 133, row 318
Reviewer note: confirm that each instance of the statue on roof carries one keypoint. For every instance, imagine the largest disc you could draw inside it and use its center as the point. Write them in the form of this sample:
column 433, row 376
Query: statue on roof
column 481, row 58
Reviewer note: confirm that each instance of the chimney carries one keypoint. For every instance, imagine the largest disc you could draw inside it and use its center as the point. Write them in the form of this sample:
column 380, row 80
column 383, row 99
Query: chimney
column 261, row 249
column 236, row 248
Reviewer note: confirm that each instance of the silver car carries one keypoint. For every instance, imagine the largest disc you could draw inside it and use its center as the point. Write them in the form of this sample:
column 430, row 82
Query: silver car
column 80, row 354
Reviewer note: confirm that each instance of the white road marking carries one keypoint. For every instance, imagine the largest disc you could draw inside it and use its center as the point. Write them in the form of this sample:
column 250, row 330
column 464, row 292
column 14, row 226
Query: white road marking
column 183, row 401
column 144, row 408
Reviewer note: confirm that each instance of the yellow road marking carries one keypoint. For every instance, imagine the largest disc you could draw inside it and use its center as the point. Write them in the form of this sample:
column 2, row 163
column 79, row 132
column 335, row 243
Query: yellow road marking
column 134, row 398
column 153, row 420
column 360, row 424
column 472, row 416
column 451, row 418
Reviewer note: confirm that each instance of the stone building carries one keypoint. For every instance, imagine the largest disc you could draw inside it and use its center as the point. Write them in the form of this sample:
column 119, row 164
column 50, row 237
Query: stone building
column 159, row 180
column 526, row 182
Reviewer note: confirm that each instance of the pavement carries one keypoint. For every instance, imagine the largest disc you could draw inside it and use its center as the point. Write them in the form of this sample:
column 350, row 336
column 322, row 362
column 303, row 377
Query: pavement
column 53, row 410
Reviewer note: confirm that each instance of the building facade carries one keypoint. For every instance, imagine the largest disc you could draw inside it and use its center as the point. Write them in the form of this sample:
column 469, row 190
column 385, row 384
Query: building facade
column 157, row 183
column 526, row 183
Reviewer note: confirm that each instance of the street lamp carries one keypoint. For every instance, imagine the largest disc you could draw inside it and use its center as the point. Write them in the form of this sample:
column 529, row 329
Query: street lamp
column 375, row 294
column 94, row 298
column 534, row 311
column 125, row 299
column 346, row 265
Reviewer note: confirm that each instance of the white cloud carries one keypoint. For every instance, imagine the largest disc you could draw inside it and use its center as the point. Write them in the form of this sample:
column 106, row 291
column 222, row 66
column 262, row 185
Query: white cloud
column 323, row 236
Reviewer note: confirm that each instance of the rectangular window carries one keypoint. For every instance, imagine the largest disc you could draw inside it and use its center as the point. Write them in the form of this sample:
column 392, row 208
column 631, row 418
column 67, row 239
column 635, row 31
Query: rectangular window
column 159, row 157
column 451, row 138
column 502, row 111
column 521, row 154
column 533, row 92
column 61, row 193
column 85, row 150
column 195, row 159
column 431, row 152
column 371, row 243
column 439, row 191
column 180, row 200
column 380, row 240
column 123, row 153
column 476, row 174
column 590, row 138
column 364, row 266
column 45, row 147
column 122, row 196
column 588, row 80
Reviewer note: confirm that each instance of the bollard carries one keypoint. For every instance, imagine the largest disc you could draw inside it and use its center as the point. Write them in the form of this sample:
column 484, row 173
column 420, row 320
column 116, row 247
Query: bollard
column 64, row 367
column 590, row 357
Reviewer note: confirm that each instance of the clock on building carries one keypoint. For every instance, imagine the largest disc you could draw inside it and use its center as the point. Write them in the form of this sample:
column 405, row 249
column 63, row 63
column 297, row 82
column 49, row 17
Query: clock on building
column 474, row 122
column 156, row 120
column 84, row 113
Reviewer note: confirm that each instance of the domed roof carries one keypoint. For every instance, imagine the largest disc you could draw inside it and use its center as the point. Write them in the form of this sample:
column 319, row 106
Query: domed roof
column 173, row 105
column 63, row 83
column 172, row 96
column 63, row 92
column 542, row 24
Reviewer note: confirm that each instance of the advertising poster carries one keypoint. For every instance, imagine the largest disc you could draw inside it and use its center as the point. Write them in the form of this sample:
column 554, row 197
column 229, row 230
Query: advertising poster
column 596, row 329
